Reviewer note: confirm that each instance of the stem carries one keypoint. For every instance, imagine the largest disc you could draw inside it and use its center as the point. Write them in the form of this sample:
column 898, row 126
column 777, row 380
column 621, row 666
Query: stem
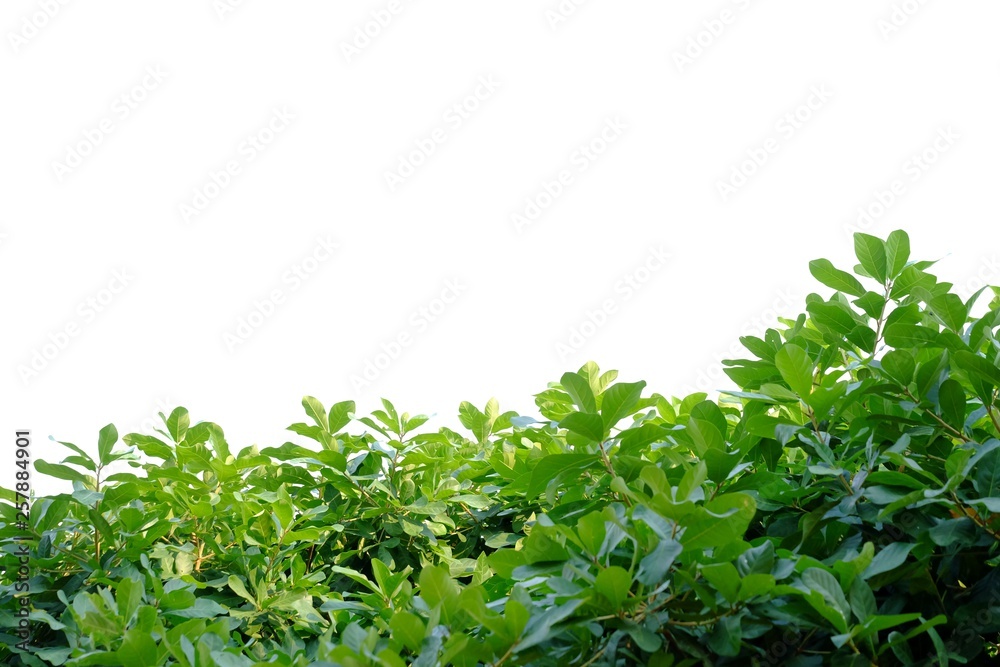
column 946, row 425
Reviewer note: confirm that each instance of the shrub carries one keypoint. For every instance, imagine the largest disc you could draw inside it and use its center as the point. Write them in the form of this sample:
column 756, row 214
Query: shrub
column 841, row 508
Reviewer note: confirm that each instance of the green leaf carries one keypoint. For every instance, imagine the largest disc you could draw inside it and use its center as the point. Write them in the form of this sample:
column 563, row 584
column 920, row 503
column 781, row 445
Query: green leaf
column 340, row 415
column 619, row 401
column 149, row 445
column 725, row 579
column 950, row 309
column 583, row 424
column 821, row 582
column 901, row 334
column 634, row 441
column 177, row 423
column 872, row 303
column 580, row 391
column 796, row 368
column 654, row 566
column 871, row 253
column 559, row 467
column 237, row 586
column 979, row 366
column 59, row 471
column 897, row 251
column 720, row 521
column 899, row 365
column 951, row 397
column 474, row 420
column 437, row 586
column 408, row 629
column 824, row 271
column 950, row 531
column 987, row 475
column 105, row 443
column 888, row 559
column 862, row 600
column 138, row 649
column 314, row 408
column 614, row 583
column 754, row 585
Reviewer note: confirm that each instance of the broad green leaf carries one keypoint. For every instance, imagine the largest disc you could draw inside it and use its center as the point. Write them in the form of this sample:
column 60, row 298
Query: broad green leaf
column 105, row 443
column 910, row 335
column 824, row 271
column 59, row 471
column 796, row 368
column 559, row 467
column 237, row 586
column 314, row 408
column 619, row 401
column 826, row 585
column 437, row 586
column 725, row 579
column 722, row 520
column 987, row 474
column 899, row 365
column 888, row 559
column 978, row 365
column 178, row 423
column 583, row 424
column 614, row 583
column 340, row 415
column 950, row 310
column 408, row 629
column 870, row 252
column 474, row 420
column 951, row 398
column 580, row 391
column 635, row 440
column 654, row 566
column 138, row 649
column 897, row 251
column 872, row 303
column 755, row 585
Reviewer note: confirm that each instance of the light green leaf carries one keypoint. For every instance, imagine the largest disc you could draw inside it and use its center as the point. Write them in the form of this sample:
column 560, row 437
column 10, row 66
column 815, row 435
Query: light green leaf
column 314, row 408
column 870, row 251
column 796, row 368
column 614, row 583
column 897, row 251
column 824, row 271
column 583, row 424
column 580, row 391
column 619, row 401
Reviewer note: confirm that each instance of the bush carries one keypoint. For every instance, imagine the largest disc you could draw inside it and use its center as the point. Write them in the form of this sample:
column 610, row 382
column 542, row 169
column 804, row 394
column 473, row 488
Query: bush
column 841, row 508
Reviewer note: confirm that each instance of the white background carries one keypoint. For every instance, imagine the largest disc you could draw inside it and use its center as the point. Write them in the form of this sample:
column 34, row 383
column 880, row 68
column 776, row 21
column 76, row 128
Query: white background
column 694, row 89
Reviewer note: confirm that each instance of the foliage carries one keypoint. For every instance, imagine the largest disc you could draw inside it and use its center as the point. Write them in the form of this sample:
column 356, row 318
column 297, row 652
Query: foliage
column 842, row 508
